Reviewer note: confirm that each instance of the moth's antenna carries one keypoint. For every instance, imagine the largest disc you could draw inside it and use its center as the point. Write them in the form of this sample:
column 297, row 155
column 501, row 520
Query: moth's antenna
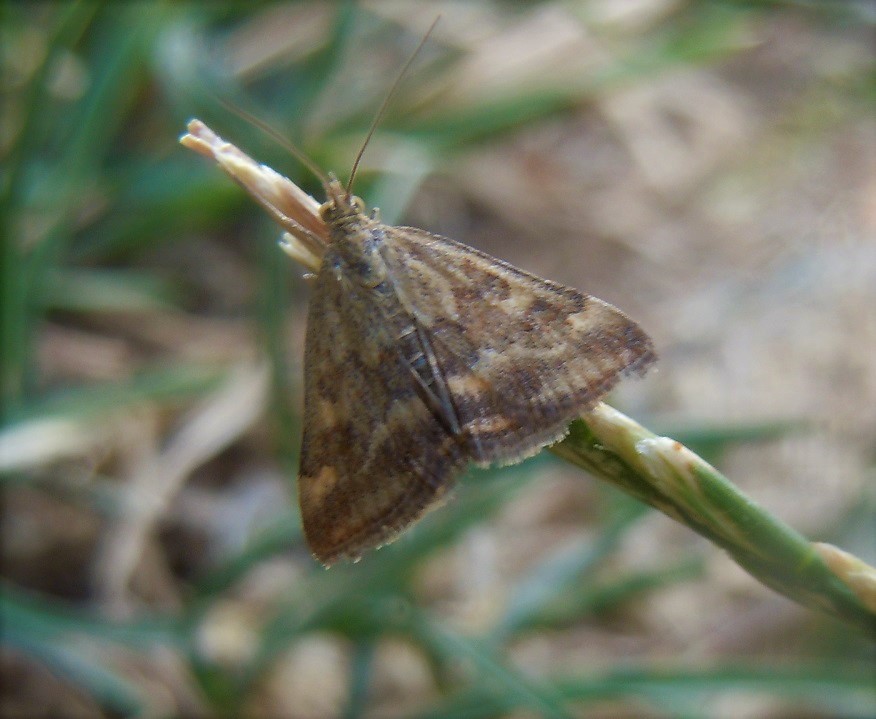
column 277, row 137
column 380, row 112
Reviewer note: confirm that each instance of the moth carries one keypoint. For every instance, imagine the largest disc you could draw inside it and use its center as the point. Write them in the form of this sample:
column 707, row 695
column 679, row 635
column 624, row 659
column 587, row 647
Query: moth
column 422, row 356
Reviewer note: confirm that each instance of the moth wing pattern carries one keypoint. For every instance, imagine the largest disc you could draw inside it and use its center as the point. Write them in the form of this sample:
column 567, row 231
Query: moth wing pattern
column 521, row 356
column 374, row 457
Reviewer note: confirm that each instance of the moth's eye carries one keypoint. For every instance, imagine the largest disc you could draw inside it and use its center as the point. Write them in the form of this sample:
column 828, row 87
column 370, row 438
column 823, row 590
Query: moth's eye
column 358, row 204
column 326, row 209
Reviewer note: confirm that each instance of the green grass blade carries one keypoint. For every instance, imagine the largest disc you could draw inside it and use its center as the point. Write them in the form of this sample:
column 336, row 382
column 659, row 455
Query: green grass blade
column 668, row 476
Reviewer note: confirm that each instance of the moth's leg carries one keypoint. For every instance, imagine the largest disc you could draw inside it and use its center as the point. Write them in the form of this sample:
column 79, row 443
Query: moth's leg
column 419, row 357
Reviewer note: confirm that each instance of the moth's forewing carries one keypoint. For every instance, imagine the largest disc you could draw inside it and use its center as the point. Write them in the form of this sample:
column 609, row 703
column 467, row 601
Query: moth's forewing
column 522, row 356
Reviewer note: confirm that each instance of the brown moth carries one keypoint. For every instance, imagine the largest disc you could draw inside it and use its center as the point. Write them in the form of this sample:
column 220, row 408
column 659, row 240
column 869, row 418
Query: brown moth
column 422, row 355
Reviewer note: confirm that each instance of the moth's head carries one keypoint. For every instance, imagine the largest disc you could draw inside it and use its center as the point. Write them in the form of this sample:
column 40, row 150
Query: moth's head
column 340, row 203
column 337, row 209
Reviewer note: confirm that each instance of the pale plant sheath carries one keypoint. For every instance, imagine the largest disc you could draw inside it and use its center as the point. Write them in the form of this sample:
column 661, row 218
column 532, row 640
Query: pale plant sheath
column 656, row 470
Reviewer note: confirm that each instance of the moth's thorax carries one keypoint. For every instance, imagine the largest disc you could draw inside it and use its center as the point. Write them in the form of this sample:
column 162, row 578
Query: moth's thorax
column 358, row 243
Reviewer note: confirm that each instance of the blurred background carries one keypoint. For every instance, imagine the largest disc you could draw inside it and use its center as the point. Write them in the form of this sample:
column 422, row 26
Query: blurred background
column 708, row 167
